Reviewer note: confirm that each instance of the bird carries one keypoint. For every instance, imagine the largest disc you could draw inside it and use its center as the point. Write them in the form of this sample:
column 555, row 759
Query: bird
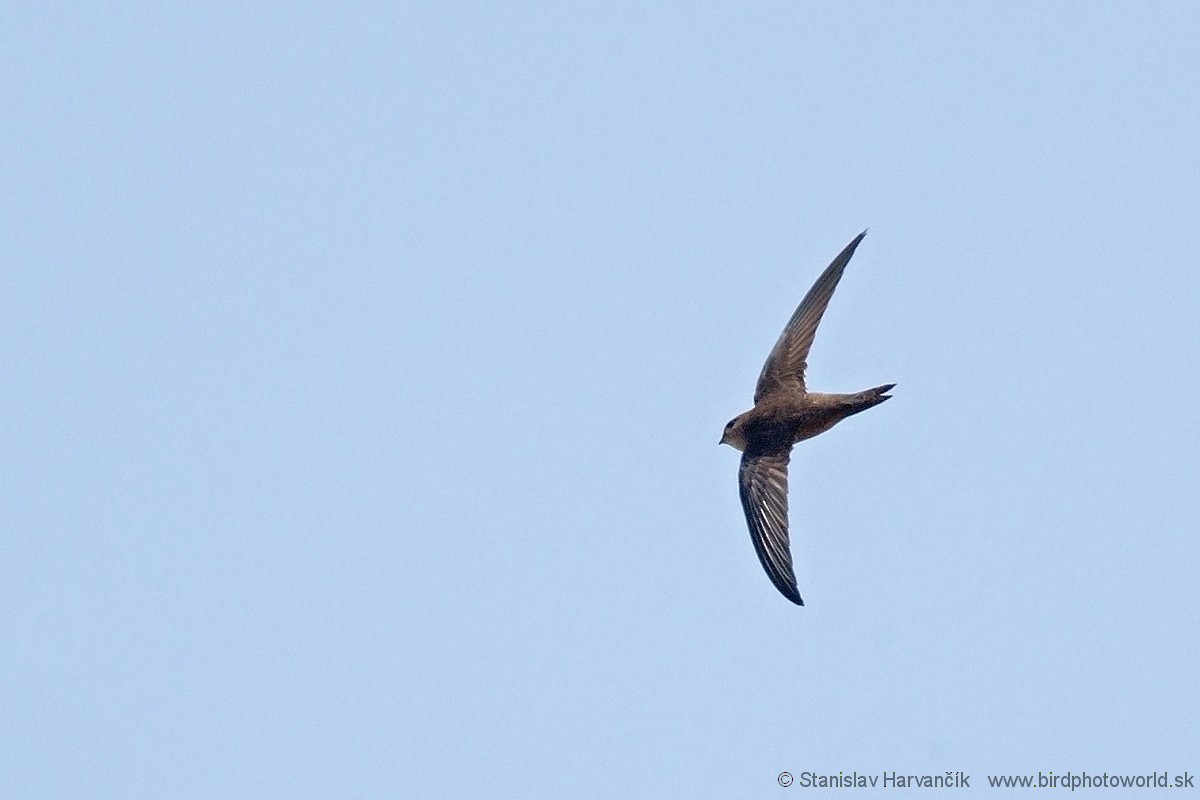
column 786, row 412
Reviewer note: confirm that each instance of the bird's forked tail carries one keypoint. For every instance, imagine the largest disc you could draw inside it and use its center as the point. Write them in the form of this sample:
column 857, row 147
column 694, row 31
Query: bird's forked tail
column 869, row 398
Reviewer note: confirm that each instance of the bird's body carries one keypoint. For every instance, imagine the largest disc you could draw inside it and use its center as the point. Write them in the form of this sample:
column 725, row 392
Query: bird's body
column 785, row 413
column 783, row 420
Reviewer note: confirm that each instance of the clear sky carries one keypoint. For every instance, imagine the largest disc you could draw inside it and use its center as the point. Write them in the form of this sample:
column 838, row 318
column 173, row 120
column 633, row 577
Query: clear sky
column 362, row 369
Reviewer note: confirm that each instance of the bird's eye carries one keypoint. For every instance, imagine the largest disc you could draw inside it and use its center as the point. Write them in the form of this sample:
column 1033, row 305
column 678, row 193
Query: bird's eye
column 729, row 424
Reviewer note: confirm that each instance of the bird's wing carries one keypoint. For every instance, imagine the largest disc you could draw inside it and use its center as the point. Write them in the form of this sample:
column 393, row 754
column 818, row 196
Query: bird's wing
column 763, row 483
column 784, row 369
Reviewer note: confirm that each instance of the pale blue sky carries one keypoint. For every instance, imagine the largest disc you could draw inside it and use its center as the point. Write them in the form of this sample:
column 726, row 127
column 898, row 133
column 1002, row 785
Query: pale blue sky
column 363, row 369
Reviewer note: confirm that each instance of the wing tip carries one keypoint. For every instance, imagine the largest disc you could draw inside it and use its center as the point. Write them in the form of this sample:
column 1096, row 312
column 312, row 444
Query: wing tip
column 843, row 258
column 855, row 242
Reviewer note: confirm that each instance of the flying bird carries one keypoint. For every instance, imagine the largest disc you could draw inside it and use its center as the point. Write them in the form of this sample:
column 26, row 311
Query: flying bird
column 784, row 413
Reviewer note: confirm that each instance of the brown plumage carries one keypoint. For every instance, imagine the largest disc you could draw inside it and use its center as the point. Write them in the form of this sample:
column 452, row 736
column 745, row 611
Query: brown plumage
column 784, row 413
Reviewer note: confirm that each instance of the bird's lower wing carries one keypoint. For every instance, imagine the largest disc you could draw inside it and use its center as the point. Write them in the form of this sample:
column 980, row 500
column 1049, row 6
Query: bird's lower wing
column 762, row 480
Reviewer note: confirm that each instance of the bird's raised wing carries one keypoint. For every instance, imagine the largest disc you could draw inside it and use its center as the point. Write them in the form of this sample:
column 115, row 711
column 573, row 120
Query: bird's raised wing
column 784, row 369
column 763, row 483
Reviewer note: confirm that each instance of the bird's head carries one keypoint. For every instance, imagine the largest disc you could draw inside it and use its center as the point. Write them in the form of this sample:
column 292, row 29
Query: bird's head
column 735, row 433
